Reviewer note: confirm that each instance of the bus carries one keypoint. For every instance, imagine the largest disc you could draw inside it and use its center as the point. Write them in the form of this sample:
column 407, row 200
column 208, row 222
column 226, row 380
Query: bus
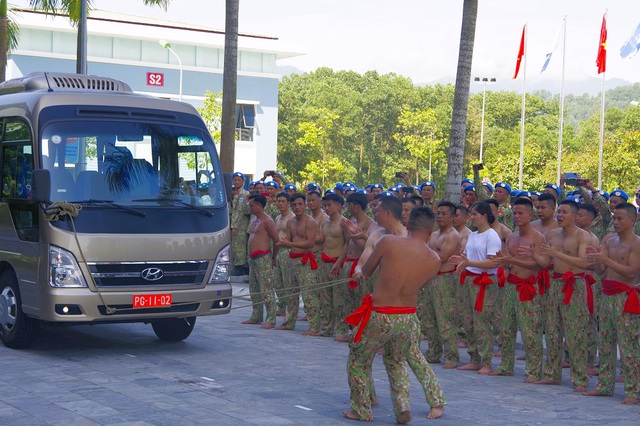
column 113, row 209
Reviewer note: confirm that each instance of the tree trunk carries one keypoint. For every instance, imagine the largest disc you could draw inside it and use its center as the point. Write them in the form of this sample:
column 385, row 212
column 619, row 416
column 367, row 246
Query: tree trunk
column 461, row 102
column 81, row 56
column 3, row 40
column 229, row 87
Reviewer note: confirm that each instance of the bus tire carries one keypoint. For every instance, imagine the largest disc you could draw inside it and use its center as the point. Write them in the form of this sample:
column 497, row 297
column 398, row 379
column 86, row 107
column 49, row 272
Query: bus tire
column 173, row 329
column 17, row 330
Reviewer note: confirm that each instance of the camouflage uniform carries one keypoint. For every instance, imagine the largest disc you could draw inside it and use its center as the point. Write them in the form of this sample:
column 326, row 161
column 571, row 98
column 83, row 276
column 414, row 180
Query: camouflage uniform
column 327, row 313
column 505, row 216
column 395, row 333
column 261, row 287
column 636, row 227
column 300, row 279
column 240, row 220
column 574, row 317
column 280, row 277
column 478, row 324
column 623, row 328
column 440, row 318
column 603, row 224
column 344, row 301
column 271, row 210
column 520, row 305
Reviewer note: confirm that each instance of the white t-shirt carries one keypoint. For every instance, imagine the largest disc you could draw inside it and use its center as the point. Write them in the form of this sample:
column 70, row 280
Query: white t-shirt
column 480, row 246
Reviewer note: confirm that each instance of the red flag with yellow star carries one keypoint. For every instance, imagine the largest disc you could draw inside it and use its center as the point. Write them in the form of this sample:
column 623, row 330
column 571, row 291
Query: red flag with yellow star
column 601, row 60
column 520, row 54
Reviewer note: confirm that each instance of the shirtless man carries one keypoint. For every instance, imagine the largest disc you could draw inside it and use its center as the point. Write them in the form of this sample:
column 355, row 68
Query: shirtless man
column 545, row 223
column 281, row 272
column 408, row 204
column 310, row 298
column 520, row 304
column 262, row 231
column 460, row 225
column 393, row 325
column 335, row 301
column 440, row 292
column 300, row 238
column 618, row 258
column 567, row 301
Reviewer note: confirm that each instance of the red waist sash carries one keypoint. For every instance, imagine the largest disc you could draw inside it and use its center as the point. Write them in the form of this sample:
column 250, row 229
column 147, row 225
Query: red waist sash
column 446, row 272
column 544, row 281
column 632, row 305
column 258, row 253
column 525, row 287
column 502, row 279
column 362, row 314
column 353, row 284
column 326, row 259
column 569, row 279
column 481, row 280
column 305, row 258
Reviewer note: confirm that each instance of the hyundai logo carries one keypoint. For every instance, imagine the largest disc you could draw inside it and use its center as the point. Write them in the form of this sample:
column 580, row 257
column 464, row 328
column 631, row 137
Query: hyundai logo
column 152, row 274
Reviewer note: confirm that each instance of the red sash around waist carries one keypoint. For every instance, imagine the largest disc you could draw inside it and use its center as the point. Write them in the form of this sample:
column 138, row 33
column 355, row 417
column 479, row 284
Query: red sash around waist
column 481, row 280
column 632, row 305
column 525, row 287
column 502, row 279
column 305, row 258
column 446, row 272
column 354, row 262
column 362, row 314
column 326, row 259
column 569, row 279
column 257, row 253
column 544, row 281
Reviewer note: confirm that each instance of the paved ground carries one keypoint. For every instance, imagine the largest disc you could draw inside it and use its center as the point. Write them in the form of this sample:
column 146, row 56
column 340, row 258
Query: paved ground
column 232, row 374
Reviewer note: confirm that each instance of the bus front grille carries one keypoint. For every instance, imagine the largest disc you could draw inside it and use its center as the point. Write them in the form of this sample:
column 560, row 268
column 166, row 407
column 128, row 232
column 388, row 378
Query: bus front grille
column 142, row 274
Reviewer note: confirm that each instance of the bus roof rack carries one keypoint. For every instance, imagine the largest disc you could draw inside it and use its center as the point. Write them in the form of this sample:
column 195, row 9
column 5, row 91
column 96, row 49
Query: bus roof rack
column 53, row 81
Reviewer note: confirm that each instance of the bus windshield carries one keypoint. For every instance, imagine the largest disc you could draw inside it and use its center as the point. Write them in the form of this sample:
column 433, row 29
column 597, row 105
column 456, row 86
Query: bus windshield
column 131, row 163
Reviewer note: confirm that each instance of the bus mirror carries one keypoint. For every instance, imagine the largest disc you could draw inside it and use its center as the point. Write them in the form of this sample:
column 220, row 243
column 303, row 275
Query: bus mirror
column 41, row 186
column 228, row 184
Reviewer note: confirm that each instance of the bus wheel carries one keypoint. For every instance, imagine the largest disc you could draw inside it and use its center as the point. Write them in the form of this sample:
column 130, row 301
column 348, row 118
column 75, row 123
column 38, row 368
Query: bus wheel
column 173, row 329
column 17, row 330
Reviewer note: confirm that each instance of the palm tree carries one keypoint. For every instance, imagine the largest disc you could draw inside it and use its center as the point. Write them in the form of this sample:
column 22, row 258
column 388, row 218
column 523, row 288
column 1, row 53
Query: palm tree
column 8, row 38
column 229, row 87
column 461, row 102
column 78, row 11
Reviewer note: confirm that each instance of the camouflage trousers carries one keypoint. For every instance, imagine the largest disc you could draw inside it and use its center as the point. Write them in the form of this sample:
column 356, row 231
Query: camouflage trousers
column 619, row 328
column 497, row 317
column 335, row 301
column 280, row 277
column 478, row 326
column 394, row 333
column 239, row 254
column 573, row 318
column 300, row 280
column 439, row 318
column 529, row 315
column 261, row 288
column 593, row 339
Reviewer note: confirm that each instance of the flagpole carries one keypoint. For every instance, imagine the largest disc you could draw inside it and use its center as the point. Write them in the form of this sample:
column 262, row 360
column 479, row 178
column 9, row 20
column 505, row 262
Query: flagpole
column 524, row 79
column 601, row 62
column 601, row 146
column 561, row 123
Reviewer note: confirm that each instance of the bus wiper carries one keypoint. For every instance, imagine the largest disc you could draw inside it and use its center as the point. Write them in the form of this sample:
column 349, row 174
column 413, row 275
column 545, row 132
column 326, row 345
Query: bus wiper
column 176, row 200
column 111, row 203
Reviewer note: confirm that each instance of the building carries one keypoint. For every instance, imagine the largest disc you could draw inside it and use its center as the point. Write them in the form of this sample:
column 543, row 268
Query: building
column 129, row 48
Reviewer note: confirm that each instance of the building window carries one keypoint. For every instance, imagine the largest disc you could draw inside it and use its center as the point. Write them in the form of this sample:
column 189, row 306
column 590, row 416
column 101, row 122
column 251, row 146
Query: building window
column 245, row 123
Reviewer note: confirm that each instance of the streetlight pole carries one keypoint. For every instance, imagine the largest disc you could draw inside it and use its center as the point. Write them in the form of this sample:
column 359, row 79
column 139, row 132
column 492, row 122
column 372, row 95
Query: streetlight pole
column 484, row 82
column 167, row 45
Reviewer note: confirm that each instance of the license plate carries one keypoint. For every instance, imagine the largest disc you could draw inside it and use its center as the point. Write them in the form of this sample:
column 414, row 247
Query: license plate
column 151, row 300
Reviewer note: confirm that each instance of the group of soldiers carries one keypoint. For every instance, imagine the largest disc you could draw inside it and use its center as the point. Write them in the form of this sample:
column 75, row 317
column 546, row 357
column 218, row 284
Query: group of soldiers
column 555, row 263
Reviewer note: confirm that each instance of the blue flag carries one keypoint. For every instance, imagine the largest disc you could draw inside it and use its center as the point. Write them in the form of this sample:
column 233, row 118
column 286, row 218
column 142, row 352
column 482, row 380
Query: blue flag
column 553, row 49
column 632, row 45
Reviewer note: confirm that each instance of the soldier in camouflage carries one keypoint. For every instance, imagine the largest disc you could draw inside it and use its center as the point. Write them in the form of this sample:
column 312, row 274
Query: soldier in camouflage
column 239, row 223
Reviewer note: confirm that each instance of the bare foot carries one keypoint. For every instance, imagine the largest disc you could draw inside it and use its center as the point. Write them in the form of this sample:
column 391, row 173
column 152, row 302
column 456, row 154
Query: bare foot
column 630, row 401
column 268, row 325
column 249, row 321
column 499, row 373
column 580, row 389
column 312, row 333
column 521, row 357
column 435, row 412
column 448, row 366
column 341, row 339
column 485, row 370
column 592, row 371
column 530, row 380
column 565, row 364
column 620, row 379
column 462, row 344
column 283, row 327
column 546, row 382
column 304, row 319
column 351, row 415
column 470, row 366
column 498, row 354
column 404, row 417
column 594, row 392
column 374, row 400
column 279, row 313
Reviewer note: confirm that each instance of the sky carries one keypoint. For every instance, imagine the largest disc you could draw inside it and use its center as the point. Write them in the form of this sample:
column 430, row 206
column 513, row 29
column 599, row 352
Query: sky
column 420, row 38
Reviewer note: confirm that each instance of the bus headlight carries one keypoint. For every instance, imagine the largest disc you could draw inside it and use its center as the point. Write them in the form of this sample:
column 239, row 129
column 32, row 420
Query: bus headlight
column 221, row 267
column 63, row 269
